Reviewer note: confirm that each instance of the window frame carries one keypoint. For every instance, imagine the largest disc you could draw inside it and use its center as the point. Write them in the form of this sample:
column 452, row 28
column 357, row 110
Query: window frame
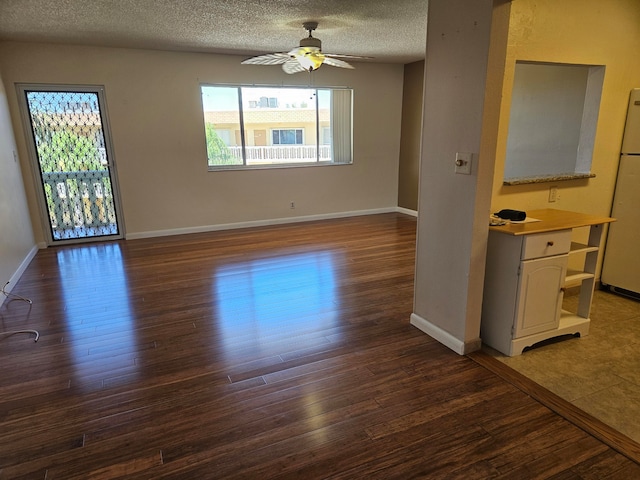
column 346, row 149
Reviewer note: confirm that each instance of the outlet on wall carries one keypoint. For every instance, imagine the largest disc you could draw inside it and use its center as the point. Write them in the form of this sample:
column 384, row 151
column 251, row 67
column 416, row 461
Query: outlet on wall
column 292, row 205
column 553, row 194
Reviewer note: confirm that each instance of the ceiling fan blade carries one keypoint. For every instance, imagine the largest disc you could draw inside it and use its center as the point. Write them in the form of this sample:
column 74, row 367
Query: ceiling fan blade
column 354, row 57
column 292, row 66
column 334, row 62
column 268, row 59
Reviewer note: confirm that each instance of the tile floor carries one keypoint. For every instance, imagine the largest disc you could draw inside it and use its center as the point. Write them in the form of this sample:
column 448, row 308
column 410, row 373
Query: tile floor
column 599, row 373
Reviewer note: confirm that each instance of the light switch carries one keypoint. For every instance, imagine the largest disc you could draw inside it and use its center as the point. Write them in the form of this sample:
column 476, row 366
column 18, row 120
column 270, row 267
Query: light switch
column 463, row 163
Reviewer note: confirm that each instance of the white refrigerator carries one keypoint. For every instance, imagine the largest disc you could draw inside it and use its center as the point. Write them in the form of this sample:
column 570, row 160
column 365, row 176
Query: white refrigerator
column 621, row 267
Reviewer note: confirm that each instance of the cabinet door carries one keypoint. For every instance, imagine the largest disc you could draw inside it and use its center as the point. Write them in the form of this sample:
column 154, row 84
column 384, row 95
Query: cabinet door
column 540, row 295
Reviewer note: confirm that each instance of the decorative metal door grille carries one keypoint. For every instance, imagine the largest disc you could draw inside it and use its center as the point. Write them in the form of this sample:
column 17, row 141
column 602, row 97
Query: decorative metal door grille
column 73, row 160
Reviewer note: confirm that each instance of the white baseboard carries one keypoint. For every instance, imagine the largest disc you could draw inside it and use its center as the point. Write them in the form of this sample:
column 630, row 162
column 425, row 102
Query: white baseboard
column 262, row 223
column 406, row 211
column 444, row 337
column 18, row 273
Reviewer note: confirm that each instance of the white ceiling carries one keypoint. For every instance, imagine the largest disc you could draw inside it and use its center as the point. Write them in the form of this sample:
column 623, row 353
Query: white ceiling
column 389, row 31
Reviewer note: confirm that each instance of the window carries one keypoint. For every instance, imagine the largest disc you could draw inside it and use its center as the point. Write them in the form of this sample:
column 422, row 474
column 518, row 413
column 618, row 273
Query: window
column 326, row 136
column 225, row 136
column 287, row 137
column 264, row 127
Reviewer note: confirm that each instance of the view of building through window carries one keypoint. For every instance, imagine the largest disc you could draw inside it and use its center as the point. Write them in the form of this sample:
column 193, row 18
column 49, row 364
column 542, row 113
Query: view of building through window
column 276, row 126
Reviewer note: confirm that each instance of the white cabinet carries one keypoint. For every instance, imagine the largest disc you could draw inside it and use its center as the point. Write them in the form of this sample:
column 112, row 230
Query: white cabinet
column 526, row 275
column 539, row 297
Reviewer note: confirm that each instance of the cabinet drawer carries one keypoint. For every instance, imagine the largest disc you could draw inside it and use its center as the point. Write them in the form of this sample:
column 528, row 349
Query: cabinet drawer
column 546, row 244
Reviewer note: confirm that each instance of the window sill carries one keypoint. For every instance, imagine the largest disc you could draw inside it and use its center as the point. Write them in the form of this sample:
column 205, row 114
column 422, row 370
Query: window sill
column 223, row 168
column 547, row 178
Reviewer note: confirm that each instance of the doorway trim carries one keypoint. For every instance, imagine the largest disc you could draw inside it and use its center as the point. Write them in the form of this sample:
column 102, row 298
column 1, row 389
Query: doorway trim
column 99, row 90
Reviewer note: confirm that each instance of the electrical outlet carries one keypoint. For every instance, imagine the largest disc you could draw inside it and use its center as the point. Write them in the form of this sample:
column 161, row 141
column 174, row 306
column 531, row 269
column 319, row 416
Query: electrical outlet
column 293, row 205
column 553, row 194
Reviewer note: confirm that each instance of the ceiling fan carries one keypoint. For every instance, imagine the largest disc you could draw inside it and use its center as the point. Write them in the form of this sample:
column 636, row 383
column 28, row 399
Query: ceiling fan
column 305, row 58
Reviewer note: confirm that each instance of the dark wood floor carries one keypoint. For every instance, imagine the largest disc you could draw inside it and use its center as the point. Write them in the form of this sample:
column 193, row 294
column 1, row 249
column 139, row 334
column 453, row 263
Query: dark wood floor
column 280, row 352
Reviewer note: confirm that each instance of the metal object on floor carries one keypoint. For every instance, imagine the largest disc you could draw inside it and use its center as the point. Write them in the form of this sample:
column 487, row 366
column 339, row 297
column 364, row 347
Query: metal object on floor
column 24, row 299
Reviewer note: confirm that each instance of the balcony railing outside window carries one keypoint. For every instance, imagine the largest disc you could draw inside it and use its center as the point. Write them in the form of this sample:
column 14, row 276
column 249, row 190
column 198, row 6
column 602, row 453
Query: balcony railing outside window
column 283, row 154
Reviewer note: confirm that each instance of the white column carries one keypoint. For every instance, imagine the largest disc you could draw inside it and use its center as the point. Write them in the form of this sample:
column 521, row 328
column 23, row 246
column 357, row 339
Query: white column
column 466, row 45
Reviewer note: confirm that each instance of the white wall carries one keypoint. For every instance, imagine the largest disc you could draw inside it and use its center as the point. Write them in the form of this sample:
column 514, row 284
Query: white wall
column 17, row 245
column 154, row 107
column 459, row 116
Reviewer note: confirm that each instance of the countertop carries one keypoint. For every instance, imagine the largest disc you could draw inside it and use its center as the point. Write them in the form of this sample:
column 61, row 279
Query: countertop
column 551, row 220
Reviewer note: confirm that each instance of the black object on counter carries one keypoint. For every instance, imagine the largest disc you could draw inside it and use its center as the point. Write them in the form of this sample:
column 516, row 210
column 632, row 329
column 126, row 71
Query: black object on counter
column 513, row 215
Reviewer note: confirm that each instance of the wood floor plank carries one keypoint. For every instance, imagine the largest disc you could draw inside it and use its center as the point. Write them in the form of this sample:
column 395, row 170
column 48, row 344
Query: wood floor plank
column 595, row 427
column 272, row 352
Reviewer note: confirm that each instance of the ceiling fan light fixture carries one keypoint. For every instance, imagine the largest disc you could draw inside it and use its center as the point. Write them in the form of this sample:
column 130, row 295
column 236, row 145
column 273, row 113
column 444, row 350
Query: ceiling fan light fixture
column 305, row 58
column 310, row 58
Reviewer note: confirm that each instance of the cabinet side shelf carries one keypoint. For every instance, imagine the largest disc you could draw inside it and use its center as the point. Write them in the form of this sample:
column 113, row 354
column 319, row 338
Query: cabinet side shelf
column 581, row 248
column 569, row 320
column 577, row 276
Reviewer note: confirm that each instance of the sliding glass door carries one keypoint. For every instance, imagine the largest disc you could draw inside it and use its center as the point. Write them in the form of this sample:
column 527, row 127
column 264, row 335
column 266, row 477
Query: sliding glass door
column 71, row 151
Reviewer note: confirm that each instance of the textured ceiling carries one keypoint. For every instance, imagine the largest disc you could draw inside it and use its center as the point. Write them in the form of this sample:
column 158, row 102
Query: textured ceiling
column 389, row 31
